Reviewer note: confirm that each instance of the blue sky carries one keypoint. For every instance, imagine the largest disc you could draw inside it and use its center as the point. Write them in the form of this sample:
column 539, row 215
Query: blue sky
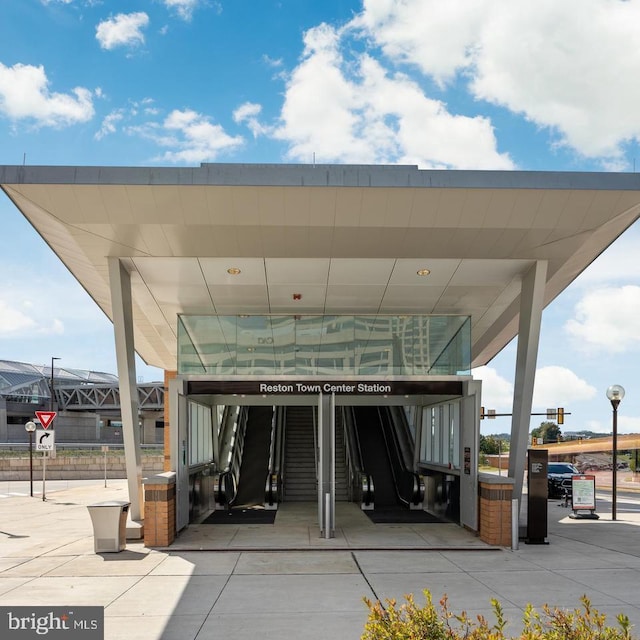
column 452, row 84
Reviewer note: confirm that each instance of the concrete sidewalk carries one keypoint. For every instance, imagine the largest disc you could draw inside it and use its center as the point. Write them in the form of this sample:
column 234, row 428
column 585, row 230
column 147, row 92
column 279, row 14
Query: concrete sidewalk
column 258, row 587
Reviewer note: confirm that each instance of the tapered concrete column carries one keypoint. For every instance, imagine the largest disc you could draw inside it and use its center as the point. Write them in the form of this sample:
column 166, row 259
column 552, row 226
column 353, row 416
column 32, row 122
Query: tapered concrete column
column 122, row 311
column 531, row 305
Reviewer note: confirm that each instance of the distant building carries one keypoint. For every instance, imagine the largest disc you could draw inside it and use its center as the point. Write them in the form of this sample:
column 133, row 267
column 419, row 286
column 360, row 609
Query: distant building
column 87, row 404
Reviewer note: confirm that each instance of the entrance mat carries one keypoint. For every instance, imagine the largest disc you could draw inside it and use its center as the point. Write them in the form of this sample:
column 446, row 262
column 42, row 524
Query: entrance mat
column 241, row 516
column 402, row 516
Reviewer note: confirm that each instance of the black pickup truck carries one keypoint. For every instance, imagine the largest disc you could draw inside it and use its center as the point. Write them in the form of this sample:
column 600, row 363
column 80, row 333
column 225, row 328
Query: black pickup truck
column 559, row 478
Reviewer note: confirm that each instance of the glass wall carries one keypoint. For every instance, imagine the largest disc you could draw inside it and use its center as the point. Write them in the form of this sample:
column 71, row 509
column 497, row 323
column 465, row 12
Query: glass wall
column 200, row 433
column 440, row 442
column 324, row 345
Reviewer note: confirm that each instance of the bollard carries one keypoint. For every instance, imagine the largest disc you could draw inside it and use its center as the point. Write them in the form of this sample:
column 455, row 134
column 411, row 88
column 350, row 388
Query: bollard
column 515, row 524
column 327, row 514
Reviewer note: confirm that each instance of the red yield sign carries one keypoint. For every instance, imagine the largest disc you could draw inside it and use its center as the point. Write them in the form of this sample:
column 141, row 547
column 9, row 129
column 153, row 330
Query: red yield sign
column 46, row 418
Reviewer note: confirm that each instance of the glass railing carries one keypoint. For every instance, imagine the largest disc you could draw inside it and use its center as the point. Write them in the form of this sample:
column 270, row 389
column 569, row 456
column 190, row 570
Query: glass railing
column 324, row 345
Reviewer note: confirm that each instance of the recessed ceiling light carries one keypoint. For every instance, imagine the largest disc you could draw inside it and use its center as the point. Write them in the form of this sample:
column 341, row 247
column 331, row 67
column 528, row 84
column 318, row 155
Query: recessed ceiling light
column 233, row 271
column 423, row 272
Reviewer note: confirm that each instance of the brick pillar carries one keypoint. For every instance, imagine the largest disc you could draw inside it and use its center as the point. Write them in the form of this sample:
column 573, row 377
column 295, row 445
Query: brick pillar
column 160, row 510
column 495, row 510
column 168, row 375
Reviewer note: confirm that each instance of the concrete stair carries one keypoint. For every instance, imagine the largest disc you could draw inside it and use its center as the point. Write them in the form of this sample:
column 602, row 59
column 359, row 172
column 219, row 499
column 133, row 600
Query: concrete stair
column 342, row 492
column 300, row 483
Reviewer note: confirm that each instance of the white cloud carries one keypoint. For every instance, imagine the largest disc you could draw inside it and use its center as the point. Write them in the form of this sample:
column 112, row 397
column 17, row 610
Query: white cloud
column 109, row 124
column 550, row 61
column 560, row 387
column 184, row 8
column 607, row 319
column 276, row 63
column 420, row 32
column 125, row 30
column 12, row 320
column 191, row 137
column 497, row 392
column 626, row 424
column 554, row 387
column 24, row 94
column 369, row 116
column 248, row 114
column 55, row 328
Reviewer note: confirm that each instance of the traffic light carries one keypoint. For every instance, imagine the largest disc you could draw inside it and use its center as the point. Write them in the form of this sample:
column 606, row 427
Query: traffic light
column 560, row 416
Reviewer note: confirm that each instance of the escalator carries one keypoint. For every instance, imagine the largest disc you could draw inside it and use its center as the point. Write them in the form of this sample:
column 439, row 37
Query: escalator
column 255, row 458
column 375, row 458
column 386, row 449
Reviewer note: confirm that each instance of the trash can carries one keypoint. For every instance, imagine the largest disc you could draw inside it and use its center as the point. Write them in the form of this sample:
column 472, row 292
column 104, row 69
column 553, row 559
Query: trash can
column 109, row 525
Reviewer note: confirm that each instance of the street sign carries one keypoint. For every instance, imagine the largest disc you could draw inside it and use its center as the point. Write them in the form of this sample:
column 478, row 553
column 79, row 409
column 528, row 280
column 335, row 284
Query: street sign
column 45, row 440
column 46, row 418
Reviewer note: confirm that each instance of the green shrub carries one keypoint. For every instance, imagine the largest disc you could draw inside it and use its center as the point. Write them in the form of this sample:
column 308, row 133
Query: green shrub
column 412, row 622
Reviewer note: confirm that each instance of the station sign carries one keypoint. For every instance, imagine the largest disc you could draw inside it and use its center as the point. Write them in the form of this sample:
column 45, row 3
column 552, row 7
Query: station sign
column 316, row 387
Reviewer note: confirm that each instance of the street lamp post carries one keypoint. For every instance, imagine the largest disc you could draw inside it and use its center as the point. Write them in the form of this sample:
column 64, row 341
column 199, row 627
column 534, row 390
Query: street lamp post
column 52, row 387
column 615, row 393
column 44, row 453
column 30, row 427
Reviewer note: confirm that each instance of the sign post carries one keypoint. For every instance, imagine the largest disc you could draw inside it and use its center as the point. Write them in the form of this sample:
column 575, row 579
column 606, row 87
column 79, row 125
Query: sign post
column 45, row 441
column 105, row 448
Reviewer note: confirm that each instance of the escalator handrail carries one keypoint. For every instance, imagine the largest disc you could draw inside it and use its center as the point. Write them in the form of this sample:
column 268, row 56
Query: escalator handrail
column 403, row 435
column 229, row 420
column 236, row 455
column 395, row 461
column 273, row 480
column 358, row 477
column 406, row 443
column 353, row 435
column 392, row 430
column 272, row 441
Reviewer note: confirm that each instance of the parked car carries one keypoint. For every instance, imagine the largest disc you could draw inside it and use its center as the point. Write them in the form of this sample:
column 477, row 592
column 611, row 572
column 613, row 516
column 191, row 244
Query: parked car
column 559, row 478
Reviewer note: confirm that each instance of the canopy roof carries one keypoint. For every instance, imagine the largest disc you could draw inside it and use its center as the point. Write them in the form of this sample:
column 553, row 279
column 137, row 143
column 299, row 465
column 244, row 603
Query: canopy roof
column 322, row 239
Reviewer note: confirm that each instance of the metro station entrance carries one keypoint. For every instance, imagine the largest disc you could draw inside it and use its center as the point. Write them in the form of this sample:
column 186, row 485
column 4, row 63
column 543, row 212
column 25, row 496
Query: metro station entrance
column 402, row 450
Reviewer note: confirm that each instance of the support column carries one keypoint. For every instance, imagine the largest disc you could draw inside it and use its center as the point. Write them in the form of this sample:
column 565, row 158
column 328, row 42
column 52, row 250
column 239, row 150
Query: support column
column 326, row 466
column 168, row 376
column 149, row 428
column 531, row 305
column 4, row 431
column 122, row 312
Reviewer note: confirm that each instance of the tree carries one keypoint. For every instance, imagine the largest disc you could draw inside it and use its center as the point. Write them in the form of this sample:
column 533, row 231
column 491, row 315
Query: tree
column 493, row 445
column 548, row 431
